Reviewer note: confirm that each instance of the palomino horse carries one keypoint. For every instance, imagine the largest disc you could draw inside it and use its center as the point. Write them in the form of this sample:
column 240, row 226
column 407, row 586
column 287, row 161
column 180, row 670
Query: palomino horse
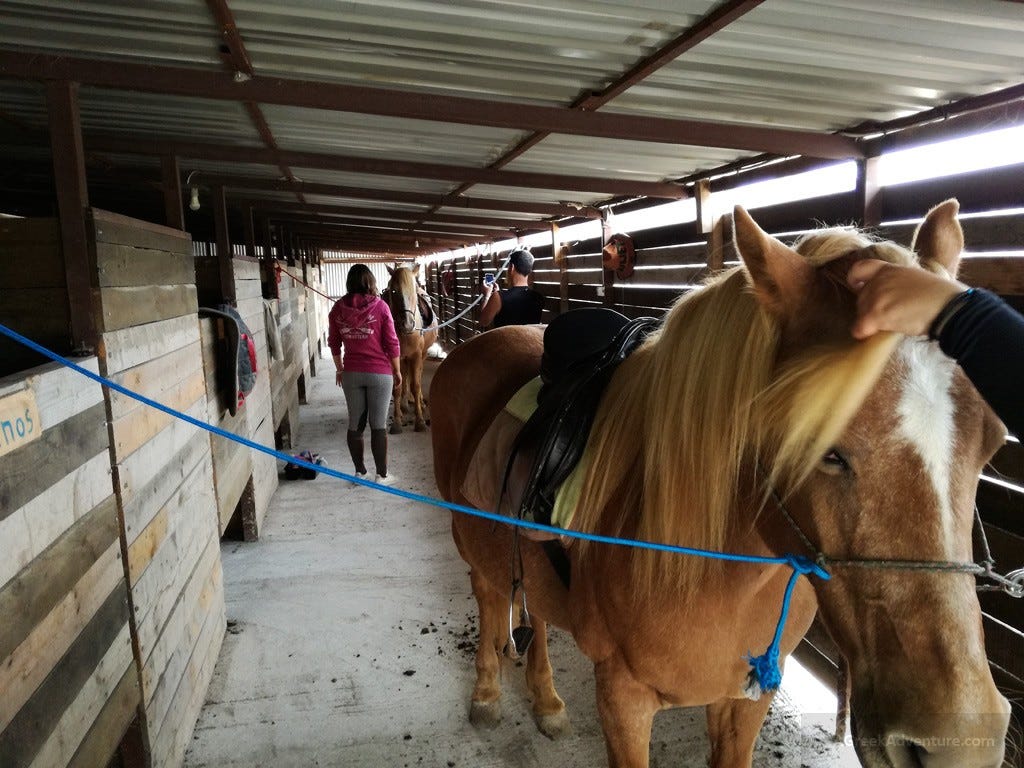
column 752, row 402
column 414, row 338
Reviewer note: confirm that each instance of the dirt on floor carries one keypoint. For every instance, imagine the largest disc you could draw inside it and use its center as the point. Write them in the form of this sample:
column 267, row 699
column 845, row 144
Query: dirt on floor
column 352, row 631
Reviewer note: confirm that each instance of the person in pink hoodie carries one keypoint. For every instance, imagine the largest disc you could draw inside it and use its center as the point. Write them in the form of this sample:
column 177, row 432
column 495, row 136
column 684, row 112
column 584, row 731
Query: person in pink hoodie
column 360, row 321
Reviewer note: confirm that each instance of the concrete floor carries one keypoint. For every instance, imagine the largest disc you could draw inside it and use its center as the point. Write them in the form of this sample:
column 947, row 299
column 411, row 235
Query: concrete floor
column 351, row 638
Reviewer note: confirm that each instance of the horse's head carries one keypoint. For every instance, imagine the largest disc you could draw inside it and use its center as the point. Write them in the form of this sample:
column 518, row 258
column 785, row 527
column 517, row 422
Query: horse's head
column 401, row 293
column 886, row 471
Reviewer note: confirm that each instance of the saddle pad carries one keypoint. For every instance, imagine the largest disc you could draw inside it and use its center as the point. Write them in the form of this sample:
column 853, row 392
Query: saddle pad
column 482, row 484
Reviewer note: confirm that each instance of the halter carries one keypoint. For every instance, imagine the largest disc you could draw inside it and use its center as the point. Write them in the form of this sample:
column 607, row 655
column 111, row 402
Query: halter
column 417, row 326
column 1012, row 583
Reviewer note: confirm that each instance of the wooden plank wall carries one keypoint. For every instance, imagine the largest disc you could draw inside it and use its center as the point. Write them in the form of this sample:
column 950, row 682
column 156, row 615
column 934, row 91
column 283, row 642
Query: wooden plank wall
column 163, row 471
column 285, row 375
column 33, row 277
column 69, row 687
column 244, row 479
column 674, row 259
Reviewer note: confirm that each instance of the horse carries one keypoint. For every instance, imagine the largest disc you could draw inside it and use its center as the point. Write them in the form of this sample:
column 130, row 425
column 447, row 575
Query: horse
column 414, row 338
column 752, row 422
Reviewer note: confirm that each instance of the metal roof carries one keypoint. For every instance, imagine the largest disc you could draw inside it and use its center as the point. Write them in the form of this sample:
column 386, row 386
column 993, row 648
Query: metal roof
column 568, row 77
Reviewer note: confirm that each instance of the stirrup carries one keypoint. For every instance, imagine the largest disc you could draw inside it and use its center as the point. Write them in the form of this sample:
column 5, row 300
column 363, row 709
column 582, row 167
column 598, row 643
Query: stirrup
column 519, row 638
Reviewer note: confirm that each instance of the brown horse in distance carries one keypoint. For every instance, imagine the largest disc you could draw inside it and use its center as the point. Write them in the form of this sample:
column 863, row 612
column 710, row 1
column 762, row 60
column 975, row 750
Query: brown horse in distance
column 415, row 337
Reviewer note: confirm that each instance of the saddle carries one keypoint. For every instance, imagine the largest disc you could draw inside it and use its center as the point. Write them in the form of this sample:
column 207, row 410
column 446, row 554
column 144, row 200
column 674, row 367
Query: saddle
column 426, row 309
column 582, row 349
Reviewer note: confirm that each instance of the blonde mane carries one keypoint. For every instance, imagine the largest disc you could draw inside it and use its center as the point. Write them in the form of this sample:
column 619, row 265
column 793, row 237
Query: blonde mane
column 404, row 281
column 687, row 417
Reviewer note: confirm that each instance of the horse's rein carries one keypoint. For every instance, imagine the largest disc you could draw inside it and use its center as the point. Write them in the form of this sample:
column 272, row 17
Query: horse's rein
column 1012, row 583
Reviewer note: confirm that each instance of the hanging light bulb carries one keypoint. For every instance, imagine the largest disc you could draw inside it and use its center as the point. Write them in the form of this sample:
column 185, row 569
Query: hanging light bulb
column 194, row 202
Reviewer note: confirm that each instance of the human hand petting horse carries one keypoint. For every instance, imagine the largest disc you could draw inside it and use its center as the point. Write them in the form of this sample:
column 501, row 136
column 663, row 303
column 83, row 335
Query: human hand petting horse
column 753, row 422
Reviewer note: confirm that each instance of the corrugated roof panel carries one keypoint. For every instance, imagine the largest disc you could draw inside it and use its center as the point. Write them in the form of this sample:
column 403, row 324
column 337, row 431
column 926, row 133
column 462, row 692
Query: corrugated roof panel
column 173, row 31
column 371, row 181
column 633, row 160
column 154, row 117
column 829, row 64
column 313, row 130
column 530, row 50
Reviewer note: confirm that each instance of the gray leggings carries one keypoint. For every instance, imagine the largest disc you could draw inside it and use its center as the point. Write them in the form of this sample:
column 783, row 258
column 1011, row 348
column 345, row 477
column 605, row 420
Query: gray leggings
column 369, row 393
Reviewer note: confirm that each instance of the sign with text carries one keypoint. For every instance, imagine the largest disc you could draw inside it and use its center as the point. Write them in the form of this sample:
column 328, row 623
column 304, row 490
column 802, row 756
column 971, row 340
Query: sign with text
column 19, row 420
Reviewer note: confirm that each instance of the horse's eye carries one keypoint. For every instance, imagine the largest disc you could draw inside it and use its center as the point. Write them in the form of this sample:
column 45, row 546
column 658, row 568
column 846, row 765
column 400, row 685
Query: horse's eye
column 836, row 461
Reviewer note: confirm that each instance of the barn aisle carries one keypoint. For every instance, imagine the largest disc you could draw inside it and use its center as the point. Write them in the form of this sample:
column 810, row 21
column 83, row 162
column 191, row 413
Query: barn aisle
column 350, row 642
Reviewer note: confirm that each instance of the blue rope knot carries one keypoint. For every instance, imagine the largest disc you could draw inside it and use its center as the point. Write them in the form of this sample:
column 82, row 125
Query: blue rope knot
column 765, row 675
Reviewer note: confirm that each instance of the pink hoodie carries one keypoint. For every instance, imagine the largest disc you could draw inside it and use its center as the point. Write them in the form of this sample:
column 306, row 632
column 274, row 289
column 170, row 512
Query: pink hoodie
column 363, row 325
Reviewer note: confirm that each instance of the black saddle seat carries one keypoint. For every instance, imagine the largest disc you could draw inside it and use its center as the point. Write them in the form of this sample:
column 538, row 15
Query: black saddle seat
column 582, row 349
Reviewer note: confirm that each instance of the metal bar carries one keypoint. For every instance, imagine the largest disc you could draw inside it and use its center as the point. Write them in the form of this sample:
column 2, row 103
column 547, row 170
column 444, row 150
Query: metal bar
column 406, row 169
column 418, row 105
column 72, row 205
column 174, row 210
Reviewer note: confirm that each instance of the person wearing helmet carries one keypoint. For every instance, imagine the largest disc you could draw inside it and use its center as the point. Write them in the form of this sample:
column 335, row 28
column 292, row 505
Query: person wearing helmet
column 519, row 304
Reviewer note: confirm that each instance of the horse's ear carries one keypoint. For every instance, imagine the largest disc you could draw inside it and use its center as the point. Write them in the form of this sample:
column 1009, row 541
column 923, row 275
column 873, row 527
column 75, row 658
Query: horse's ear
column 939, row 239
column 391, row 270
column 780, row 275
column 416, row 269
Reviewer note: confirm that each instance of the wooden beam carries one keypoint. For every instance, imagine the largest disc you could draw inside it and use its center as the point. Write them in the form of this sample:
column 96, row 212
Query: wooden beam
column 386, row 214
column 250, row 231
column 407, row 169
column 415, row 198
column 72, row 204
column 174, row 210
column 419, row 105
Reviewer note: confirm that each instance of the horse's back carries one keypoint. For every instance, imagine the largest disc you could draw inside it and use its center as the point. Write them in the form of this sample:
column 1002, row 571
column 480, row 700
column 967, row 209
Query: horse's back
column 468, row 390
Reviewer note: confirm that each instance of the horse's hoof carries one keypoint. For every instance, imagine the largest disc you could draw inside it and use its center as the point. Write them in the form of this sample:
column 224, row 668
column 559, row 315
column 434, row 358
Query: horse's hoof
column 396, row 428
column 485, row 714
column 421, row 427
column 554, row 726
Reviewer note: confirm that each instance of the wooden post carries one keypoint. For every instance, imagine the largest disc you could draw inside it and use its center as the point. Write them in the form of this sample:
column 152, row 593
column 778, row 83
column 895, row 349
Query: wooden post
column 711, row 225
column 174, row 211
column 455, row 300
column 562, row 261
column 869, row 194
column 250, row 232
column 607, row 275
column 224, row 255
column 72, row 204
column 268, row 239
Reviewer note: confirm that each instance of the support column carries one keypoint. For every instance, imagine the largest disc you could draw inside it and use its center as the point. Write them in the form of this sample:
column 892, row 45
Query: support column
column 607, row 275
column 562, row 261
column 72, row 205
column 869, row 194
column 224, row 257
column 174, row 211
column 250, row 231
column 711, row 225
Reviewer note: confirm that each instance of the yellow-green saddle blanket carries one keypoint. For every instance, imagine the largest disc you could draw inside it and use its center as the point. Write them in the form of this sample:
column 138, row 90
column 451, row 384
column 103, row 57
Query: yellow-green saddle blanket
column 483, row 483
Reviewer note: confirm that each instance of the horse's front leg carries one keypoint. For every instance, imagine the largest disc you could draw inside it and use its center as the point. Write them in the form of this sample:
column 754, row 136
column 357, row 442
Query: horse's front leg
column 548, row 707
column 733, row 726
column 485, row 706
column 627, row 708
column 417, row 392
column 396, row 421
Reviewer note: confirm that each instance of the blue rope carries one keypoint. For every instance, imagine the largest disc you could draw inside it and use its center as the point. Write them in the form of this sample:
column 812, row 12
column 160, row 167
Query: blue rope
column 765, row 668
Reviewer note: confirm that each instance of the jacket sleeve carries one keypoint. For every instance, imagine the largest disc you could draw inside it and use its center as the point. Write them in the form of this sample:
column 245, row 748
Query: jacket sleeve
column 388, row 337
column 986, row 337
column 333, row 334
